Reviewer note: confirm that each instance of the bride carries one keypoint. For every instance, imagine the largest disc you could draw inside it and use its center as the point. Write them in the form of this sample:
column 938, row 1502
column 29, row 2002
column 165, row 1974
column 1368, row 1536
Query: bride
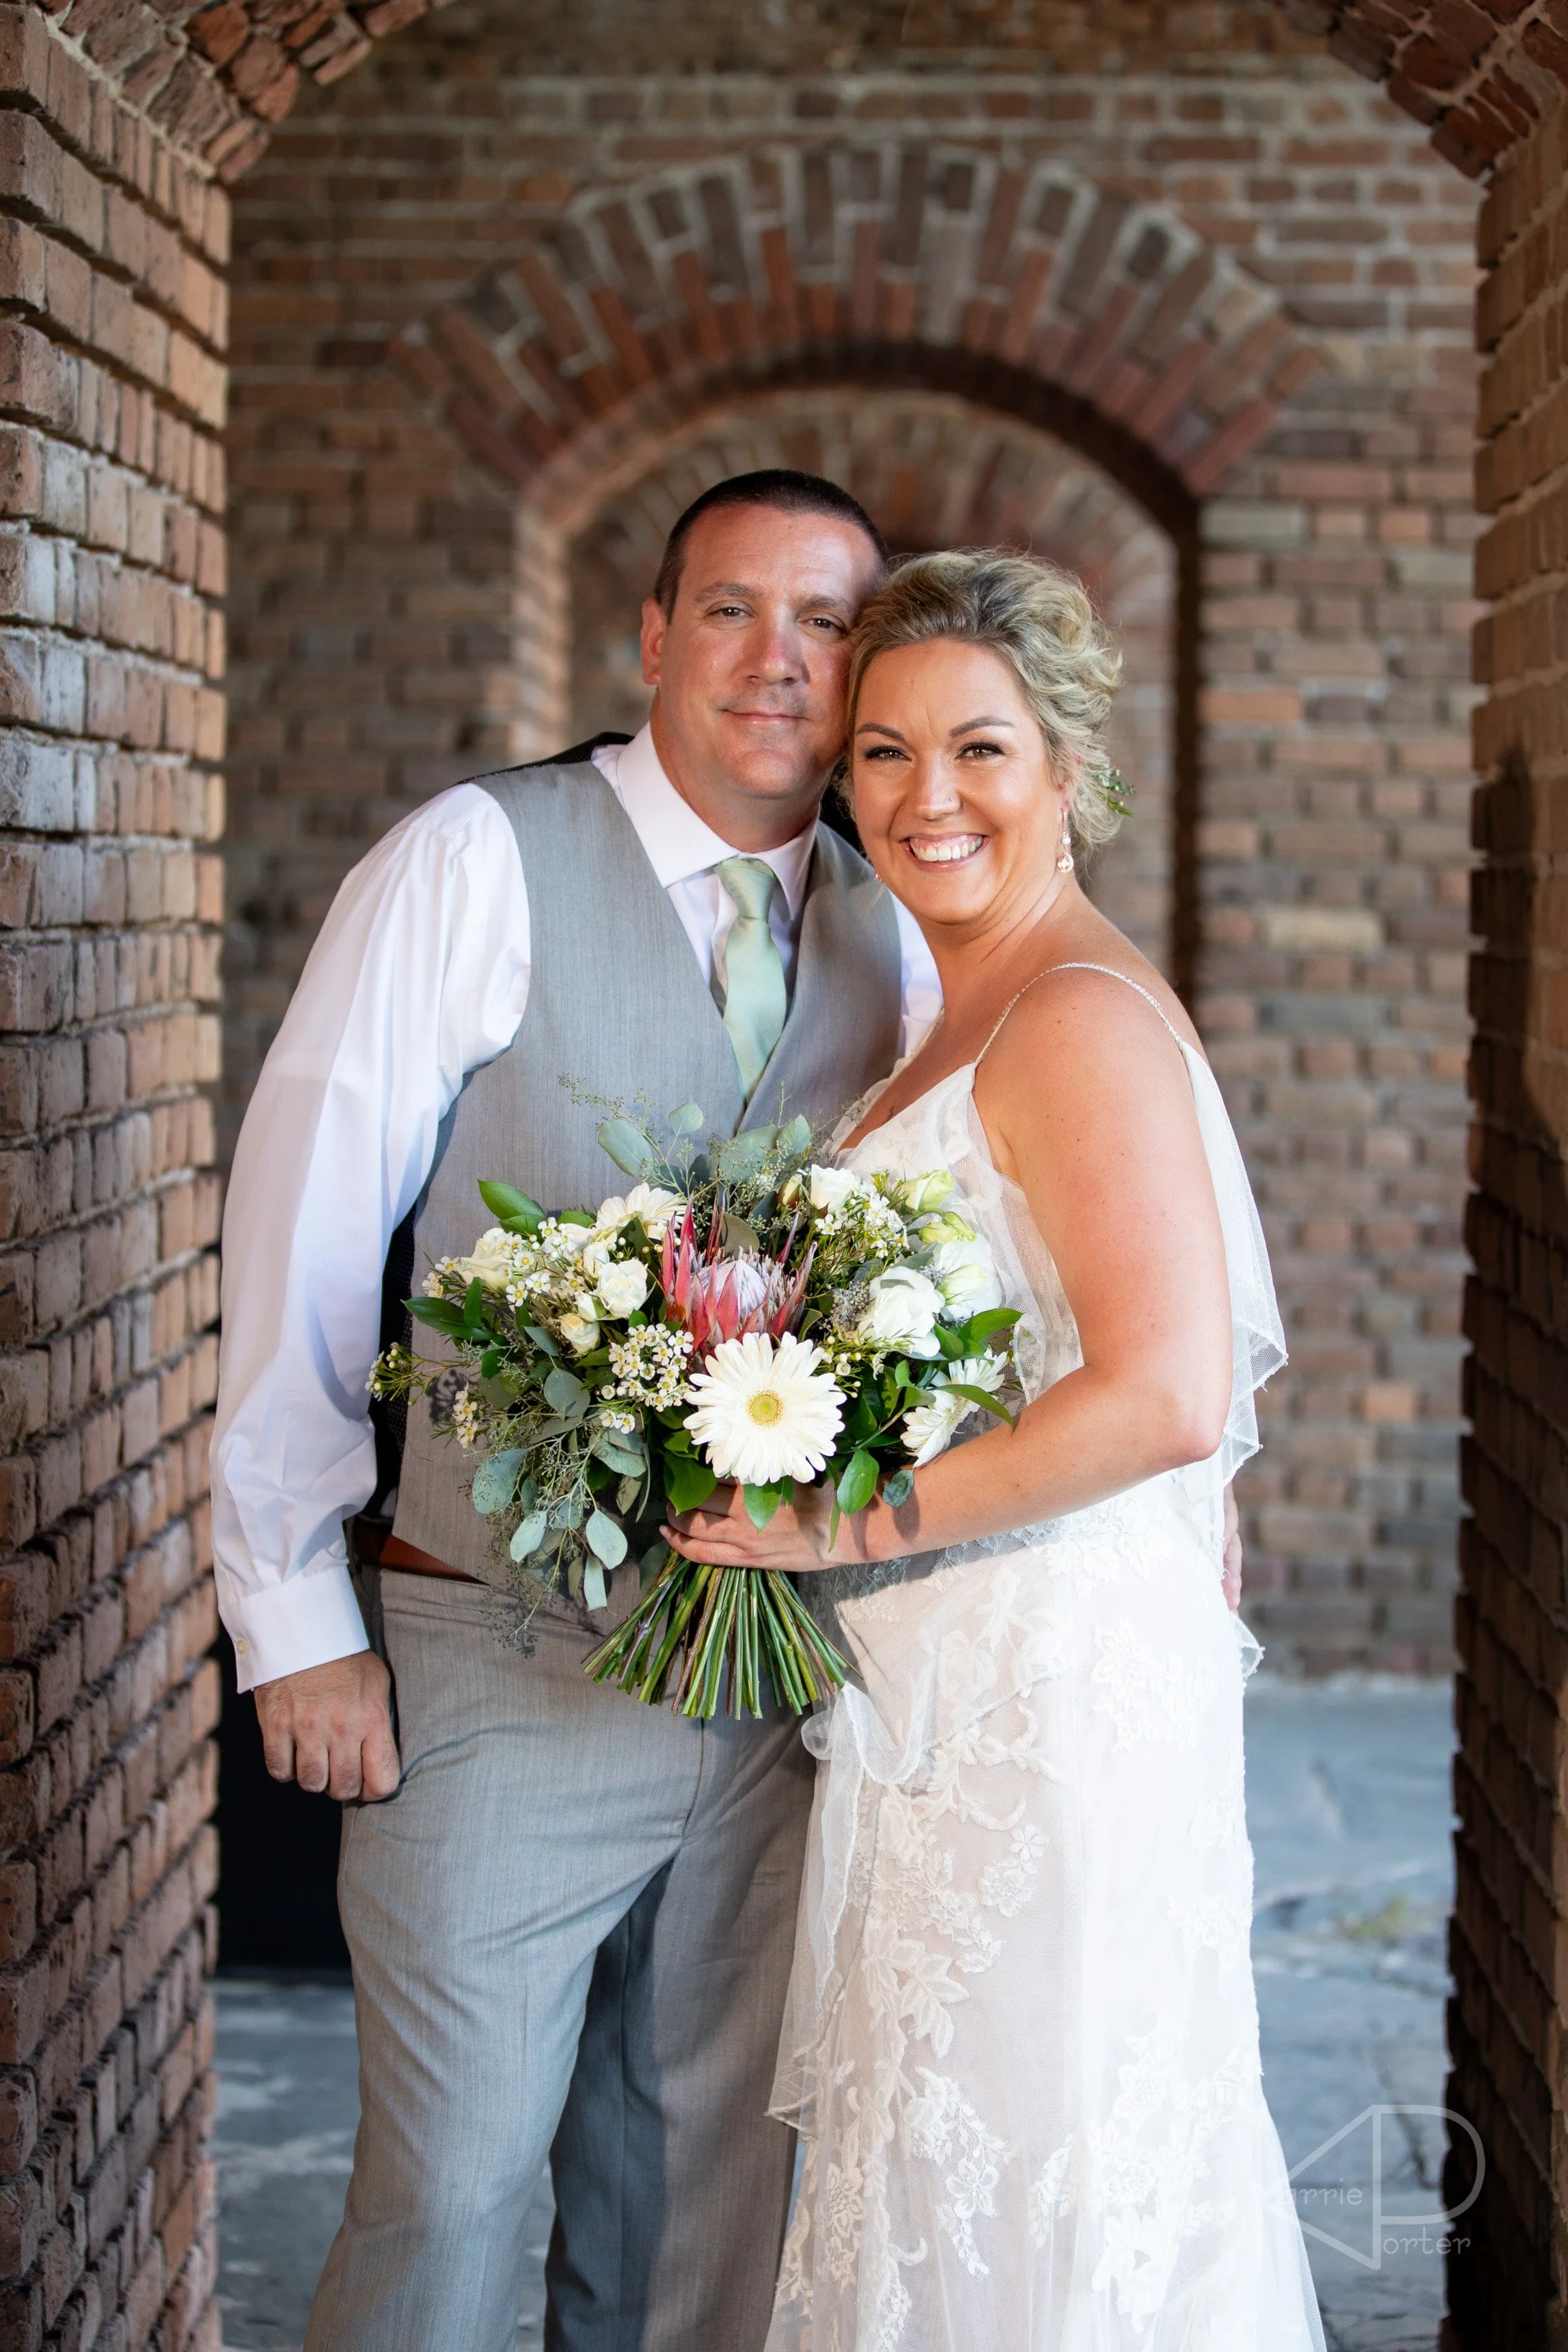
column 1021, row 2045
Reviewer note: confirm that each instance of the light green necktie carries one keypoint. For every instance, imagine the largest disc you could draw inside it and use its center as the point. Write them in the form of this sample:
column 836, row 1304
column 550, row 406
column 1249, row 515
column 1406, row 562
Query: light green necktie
column 754, row 999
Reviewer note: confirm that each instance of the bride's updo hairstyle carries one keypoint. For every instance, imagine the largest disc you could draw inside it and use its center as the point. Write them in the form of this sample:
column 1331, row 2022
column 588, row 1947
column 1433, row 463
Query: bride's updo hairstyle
column 1041, row 622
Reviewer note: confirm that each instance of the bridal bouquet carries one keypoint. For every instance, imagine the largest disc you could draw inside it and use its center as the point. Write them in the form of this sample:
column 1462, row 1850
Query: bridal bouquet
column 743, row 1314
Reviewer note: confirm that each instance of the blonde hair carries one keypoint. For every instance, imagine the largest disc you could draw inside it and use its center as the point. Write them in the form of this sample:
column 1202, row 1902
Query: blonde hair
column 1040, row 620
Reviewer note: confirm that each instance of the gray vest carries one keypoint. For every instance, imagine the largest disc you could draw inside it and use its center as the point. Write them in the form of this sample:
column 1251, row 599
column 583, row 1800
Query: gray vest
column 616, row 1002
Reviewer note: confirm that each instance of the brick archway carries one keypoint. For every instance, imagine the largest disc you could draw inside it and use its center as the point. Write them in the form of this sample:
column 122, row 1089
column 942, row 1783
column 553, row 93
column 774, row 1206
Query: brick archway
column 214, row 79
column 122, row 112
column 1110, row 321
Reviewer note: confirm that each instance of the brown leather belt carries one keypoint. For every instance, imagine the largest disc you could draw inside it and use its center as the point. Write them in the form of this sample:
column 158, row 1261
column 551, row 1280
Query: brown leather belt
column 375, row 1545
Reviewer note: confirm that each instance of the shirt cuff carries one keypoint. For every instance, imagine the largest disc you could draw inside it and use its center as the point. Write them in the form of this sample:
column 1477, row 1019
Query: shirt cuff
column 306, row 1621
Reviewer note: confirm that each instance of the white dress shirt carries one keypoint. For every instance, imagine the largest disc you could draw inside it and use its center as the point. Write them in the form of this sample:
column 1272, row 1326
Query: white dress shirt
column 419, row 975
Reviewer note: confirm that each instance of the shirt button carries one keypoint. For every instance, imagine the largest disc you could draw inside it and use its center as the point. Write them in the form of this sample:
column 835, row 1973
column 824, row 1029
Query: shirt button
column 242, row 1647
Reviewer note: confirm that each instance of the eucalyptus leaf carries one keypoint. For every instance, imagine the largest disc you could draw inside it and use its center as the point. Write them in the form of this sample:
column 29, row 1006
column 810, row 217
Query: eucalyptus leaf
column 627, row 1492
column 793, row 1139
column 607, row 1540
column 899, row 1487
column 495, row 1480
column 527, row 1536
column 742, row 1157
column 627, row 1146
column 622, row 1453
column 564, row 1390
column 541, row 1339
column 568, row 1512
column 594, row 1595
column 687, row 1119
column 859, row 1483
column 739, row 1235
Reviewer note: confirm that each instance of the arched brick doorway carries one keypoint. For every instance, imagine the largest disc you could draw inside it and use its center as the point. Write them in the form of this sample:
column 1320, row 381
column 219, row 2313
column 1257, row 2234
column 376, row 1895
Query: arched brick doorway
column 114, row 369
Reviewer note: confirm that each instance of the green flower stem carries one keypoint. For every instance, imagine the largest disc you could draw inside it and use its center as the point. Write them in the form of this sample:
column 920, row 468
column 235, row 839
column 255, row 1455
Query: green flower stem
column 713, row 1633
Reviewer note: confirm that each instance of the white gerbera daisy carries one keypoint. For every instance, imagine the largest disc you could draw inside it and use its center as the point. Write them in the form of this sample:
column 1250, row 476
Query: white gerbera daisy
column 763, row 1410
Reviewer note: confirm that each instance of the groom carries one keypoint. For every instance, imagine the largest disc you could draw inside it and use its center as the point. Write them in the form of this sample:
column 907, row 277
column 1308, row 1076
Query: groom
column 571, row 1916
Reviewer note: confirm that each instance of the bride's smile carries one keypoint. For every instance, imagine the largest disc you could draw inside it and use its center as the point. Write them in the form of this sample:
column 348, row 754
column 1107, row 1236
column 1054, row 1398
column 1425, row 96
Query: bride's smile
column 954, row 796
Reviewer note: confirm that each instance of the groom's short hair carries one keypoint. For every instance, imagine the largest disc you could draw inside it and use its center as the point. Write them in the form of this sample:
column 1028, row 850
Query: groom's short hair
column 779, row 487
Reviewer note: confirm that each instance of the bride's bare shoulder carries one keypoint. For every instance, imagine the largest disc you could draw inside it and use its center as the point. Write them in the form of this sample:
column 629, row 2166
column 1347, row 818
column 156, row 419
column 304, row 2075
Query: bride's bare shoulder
column 1117, row 1019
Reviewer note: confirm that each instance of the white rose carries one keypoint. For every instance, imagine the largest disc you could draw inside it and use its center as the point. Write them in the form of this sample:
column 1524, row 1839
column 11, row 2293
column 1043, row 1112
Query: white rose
column 495, row 1254
column 902, row 1312
column 918, row 1195
column 580, row 1332
column 623, row 1287
column 649, row 1202
column 965, row 1273
column 831, row 1187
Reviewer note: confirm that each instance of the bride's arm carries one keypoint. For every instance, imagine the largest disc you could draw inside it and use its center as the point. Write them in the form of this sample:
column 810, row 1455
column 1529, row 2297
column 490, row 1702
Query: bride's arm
column 1087, row 1103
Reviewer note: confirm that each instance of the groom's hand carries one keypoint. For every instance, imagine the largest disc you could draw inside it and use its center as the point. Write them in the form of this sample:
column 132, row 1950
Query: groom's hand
column 330, row 1728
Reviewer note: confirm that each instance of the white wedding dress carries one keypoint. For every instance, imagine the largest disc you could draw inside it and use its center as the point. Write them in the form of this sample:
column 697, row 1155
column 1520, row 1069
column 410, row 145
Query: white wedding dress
column 1022, row 2041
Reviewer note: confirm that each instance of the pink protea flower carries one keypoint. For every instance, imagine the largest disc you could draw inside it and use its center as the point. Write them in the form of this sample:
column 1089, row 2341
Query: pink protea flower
column 721, row 1299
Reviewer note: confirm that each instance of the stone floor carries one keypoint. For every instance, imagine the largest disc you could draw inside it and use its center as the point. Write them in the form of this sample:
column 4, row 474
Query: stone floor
column 1348, row 1803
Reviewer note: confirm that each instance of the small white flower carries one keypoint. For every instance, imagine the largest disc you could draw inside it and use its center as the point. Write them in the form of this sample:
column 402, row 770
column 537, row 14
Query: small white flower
column 580, row 1332
column 464, row 1419
column 623, row 1287
column 901, row 1312
column 929, row 1428
column 764, row 1410
column 965, row 1273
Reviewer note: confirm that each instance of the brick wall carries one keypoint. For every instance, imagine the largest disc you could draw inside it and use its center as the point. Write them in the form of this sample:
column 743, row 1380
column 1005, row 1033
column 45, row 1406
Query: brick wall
column 1509, row 1943
column 477, row 302
column 112, row 493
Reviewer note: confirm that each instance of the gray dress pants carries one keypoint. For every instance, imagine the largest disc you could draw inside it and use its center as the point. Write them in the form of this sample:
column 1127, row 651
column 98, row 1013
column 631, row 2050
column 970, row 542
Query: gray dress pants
column 571, row 1931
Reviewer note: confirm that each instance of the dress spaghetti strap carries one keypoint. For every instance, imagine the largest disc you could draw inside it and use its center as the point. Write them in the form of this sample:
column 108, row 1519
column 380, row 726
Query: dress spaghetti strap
column 1111, row 973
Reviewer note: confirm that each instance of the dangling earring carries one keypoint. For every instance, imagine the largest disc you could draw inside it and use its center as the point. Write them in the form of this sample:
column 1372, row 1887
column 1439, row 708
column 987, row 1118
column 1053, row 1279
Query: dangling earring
column 1064, row 861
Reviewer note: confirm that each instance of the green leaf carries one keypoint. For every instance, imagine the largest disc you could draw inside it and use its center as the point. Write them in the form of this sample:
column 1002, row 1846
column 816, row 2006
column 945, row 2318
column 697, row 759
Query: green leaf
column 793, row 1140
column 513, row 1209
column 622, row 1451
column 495, row 1480
column 979, row 1396
column 565, row 1390
column 627, row 1492
column 688, row 1482
column 859, row 1483
column 594, row 1593
column 687, row 1119
column 739, row 1234
column 607, row 1540
column 541, row 1339
column 951, row 1343
column 527, row 1536
column 899, row 1487
column 762, row 1502
column 980, row 1328
column 473, row 1306
column 627, row 1146
column 576, row 1217
column 438, row 1313
column 568, row 1512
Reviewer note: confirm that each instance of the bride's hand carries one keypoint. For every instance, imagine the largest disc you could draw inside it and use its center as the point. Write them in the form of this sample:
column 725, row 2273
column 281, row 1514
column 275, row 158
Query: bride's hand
column 721, row 1533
